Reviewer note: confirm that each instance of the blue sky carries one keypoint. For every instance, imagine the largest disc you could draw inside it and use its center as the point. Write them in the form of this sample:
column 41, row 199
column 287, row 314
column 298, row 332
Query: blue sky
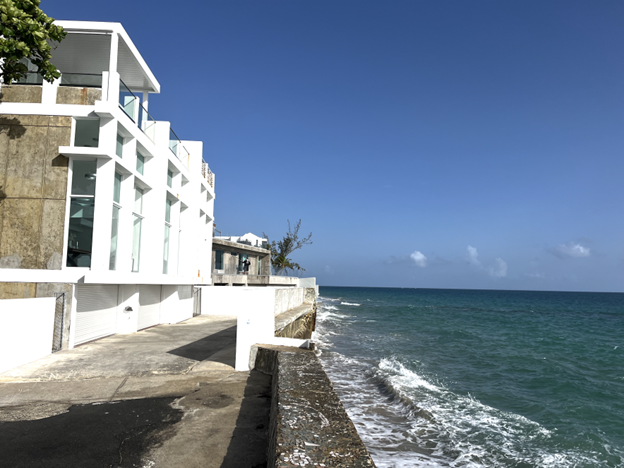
column 444, row 144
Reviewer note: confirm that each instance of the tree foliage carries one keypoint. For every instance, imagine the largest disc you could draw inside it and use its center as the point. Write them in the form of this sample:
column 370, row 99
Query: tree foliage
column 25, row 32
column 280, row 250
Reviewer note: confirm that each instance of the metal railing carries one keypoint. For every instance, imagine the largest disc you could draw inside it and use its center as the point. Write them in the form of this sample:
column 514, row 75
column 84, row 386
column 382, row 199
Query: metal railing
column 59, row 321
column 233, row 270
column 207, row 174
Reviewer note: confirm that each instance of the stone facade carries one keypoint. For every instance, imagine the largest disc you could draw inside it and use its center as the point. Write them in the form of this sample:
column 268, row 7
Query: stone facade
column 81, row 96
column 33, row 190
column 21, row 93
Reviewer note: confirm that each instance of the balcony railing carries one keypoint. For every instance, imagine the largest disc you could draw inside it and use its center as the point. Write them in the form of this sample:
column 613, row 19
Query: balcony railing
column 130, row 103
column 81, row 80
column 232, row 270
column 127, row 100
column 207, row 174
column 31, row 78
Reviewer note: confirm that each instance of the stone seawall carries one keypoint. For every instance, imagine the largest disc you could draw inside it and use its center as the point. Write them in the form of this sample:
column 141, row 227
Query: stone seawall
column 308, row 425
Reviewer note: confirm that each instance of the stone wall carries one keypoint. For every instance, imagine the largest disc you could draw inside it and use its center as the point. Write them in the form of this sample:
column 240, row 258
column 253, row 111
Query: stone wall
column 308, row 424
column 81, row 96
column 21, row 93
column 33, row 190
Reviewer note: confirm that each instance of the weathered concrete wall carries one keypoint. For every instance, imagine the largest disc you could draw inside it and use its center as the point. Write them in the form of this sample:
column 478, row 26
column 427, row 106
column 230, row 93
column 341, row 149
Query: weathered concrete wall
column 33, row 187
column 21, row 93
column 297, row 323
column 308, row 426
column 81, row 96
column 288, row 298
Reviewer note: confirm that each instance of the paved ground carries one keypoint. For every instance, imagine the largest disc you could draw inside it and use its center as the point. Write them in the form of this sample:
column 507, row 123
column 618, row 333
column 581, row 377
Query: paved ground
column 163, row 397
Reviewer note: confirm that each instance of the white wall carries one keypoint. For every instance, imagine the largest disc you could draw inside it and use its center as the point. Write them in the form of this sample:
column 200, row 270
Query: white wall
column 255, row 310
column 26, row 330
column 287, row 298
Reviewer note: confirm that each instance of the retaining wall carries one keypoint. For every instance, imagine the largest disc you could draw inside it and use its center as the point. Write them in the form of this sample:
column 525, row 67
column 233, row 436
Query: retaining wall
column 308, row 425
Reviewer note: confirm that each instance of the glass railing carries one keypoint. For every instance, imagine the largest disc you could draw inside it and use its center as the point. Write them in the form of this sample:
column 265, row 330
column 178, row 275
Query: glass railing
column 81, row 80
column 148, row 124
column 127, row 100
column 31, row 78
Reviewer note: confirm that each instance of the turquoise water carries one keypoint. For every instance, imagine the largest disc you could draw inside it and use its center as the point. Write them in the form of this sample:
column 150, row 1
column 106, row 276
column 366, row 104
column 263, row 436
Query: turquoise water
column 479, row 378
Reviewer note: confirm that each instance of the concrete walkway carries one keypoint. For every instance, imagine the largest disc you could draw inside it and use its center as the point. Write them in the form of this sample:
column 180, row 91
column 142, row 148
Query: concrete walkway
column 167, row 396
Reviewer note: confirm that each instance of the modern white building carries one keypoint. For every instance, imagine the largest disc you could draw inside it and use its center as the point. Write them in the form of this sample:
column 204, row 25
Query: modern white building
column 101, row 205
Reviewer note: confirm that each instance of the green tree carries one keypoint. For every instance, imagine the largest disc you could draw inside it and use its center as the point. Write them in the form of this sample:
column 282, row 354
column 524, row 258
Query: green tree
column 25, row 33
column 280, row 250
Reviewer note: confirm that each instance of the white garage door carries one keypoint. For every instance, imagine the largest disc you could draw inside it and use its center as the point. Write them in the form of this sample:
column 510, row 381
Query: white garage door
column 96, row 311
column 149, row 306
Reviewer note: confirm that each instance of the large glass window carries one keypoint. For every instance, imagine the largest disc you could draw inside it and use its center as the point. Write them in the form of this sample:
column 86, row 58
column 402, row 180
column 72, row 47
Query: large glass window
column 140, row 163
column 87, row 133
column 112, row 264
column 82, row 204
column 119, row 147
column 168, row 210
column 218, row 259
column 117, row 188
column 136, row 228
column 170, row 178
column 167, row 232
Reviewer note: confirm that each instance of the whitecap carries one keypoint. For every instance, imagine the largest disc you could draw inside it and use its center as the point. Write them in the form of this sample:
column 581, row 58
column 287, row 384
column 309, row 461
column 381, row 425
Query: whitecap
column 350, row 304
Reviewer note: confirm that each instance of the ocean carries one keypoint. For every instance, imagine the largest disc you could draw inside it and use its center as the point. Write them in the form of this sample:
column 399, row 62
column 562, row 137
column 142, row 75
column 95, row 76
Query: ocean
column 467, row 378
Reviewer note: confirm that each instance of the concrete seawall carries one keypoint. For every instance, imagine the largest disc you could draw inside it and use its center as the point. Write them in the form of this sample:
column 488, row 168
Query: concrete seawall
column 308, row 424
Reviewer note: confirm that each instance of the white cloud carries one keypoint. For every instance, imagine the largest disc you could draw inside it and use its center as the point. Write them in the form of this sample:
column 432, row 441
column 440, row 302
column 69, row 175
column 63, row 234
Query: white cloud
column 419, row 258
column 572, row 250
column 473, row 256
column 498, row 270
column 329, row 270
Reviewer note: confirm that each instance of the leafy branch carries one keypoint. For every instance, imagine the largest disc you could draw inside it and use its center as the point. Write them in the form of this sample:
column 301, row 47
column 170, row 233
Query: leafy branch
column 25, row 32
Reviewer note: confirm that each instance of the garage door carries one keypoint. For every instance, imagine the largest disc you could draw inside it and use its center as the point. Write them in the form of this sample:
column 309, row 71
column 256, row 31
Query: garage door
column 96, row 311
column 149, row 306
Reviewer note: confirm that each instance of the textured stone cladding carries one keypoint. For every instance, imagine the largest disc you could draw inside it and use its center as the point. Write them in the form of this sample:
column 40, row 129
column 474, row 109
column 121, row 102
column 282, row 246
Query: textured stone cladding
column 81, row 96
column 33, row 189
column 308, row 426
column 21, row 93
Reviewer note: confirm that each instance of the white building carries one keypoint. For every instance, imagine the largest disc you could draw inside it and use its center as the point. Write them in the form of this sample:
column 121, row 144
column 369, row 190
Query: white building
column 117, row 210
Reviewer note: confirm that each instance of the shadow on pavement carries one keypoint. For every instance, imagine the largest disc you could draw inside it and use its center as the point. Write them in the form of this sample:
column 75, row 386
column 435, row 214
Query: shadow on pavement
column 95, row 435
column 203, row 349
column 248, row 446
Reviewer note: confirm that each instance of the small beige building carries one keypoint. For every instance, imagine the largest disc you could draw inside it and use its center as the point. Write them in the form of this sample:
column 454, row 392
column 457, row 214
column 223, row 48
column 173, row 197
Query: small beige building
column 229, row 256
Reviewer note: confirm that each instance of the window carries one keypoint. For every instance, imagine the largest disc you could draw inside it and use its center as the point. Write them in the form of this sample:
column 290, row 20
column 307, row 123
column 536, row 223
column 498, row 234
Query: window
column 167, row 233
column 140, row 163
column 82, row 204
column 136, row 228
column 119, row 147
column 87, row 133
column 218, row 259
column 112, row 264
column 259, row 265
column 170, row 178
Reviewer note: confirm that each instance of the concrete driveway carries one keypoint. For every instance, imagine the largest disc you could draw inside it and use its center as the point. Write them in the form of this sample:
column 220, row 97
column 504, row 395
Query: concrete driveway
column 166, row 396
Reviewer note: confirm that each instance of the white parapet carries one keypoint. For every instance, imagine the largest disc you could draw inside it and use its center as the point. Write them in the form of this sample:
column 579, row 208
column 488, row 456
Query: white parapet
column 26, row 330
column 255, row 310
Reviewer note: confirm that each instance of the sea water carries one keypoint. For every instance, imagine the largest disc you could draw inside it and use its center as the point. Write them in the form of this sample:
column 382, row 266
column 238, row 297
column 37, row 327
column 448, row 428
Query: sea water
column 458, row 378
